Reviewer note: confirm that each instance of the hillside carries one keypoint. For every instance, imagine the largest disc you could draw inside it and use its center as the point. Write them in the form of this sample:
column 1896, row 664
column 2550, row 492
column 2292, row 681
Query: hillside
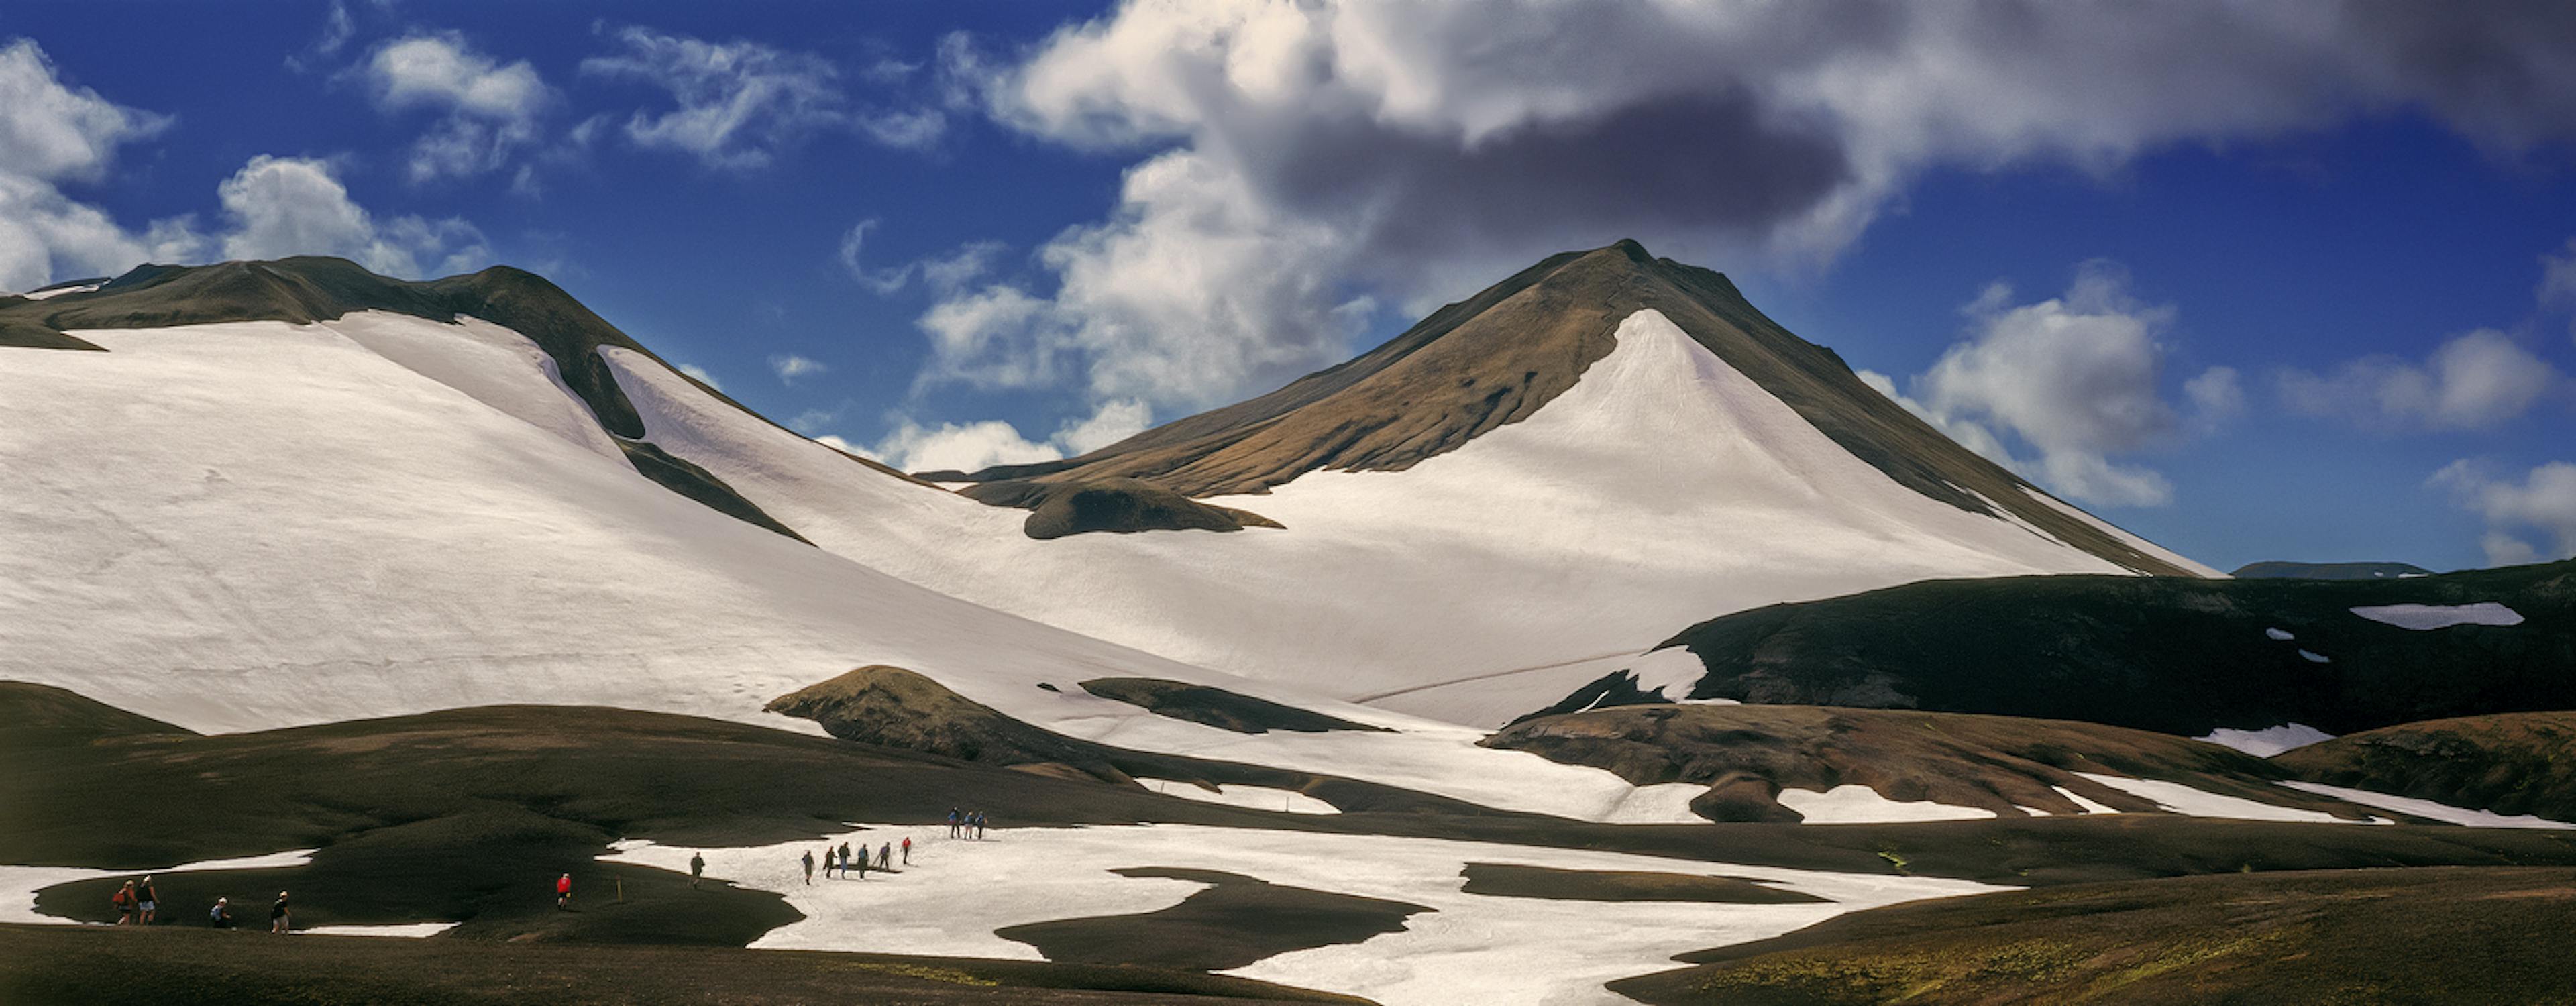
column 2170, row 655
column 476, row 490
column 2508, row 763
column 2328, row 571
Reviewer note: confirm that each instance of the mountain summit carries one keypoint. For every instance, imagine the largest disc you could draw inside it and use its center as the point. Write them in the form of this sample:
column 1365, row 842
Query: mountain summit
column 1500, row 356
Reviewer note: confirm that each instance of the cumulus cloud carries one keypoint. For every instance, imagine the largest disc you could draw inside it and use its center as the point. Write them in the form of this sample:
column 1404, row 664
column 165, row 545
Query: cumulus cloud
column 280, row 206
column 489, row 109
column 337, row 29
column 2475, row 381
column 2542, row 504
column 1293, row 159
column 2077, row 378
column 52, row 133
column 967, row 447
column 790, row 367
column 740, row 104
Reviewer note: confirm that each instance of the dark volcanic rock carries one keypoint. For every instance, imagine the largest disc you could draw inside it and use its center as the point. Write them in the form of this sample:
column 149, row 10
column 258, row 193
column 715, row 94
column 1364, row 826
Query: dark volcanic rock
column 1238, row 921
column 2167, row 654
column 2328, row 571
column 1748, row 754
column 1216, row 707
column 1118, row 505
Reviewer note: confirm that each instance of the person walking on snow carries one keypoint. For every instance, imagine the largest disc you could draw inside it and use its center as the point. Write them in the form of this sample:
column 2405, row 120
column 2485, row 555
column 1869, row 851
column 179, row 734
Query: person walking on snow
column 809, row 867
column 697, row 868
column 563, row 891
column 845, row 863
column 907, row 850
column 952, row 822
column 885, row 856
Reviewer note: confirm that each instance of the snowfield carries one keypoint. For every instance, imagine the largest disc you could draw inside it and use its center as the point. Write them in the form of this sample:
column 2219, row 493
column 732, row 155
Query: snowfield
column 1857, row 804
column 1469, row 948
column 22, row 882
column 2181, row 799
column 1663, row 489
column 2427, row 617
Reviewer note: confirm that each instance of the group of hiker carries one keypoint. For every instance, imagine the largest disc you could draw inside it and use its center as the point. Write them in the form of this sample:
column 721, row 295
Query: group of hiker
column 138, row 903
column 844, row 860
column 966, row 825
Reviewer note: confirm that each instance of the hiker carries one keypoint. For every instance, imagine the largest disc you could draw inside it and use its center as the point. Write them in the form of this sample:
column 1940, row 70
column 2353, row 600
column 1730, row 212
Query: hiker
column 952, row 822
column 809, row 868
column 697, row 868
column 907, row 850
column 885, row 856
column 845, row 863
column 278, row 920
column 148, row 900
column 563, row 891
column 220, row 916
column 123, row 899
column 979, row 825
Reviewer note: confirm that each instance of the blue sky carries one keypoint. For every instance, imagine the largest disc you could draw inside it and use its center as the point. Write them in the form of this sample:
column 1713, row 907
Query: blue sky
column 2256, row 290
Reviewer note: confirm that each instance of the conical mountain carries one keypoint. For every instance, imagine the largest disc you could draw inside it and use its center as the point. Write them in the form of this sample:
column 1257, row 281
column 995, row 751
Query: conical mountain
column 1498, row 357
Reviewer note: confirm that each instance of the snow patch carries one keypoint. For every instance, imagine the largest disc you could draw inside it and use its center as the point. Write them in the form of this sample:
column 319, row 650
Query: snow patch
column 52, row 292
column 2131, row 540
column 412, row 930
column 1470, row 949
column 1856, row 804
column 2314, row 657
column 2268, row 741
column 2088, row 806
column 1287, row 801
column 2181, row 799
column 1669, row 672
column 2278, row 635
column 2427, row 617
column 2428, row 808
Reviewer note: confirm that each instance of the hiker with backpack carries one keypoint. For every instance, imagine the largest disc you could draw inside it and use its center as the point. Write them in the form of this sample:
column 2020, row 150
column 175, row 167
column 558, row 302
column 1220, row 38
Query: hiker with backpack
column 697, row 868
column 809, row 868
column 563, row 891
column 278, row 919
column 907, row 850
column 220, row 916
column 124, row 899
column 885, row 857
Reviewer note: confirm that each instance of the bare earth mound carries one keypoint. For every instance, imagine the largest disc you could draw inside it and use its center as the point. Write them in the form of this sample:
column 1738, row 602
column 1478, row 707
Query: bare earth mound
column 1511, row 880
column 1238, row 921
column 2445, row 934
column 2509, row 763
column 1747, row 754
column 1216, row 707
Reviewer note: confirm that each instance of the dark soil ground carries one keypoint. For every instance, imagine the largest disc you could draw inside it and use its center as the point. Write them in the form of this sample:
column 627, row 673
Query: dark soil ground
column 1747, row 754
column 1509, row 880
column 79, row 966
column 2510, row 763
column 2443, row 935
column 1216, row 707
column 1238, row 921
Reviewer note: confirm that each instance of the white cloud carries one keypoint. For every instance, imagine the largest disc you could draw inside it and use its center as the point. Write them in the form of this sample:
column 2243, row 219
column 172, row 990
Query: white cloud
column 50, row 133
column 693, row 370
column 2475, row 381
column 280, row 206
column 790, row 367
column 967, row 447
column 490, row 109
column 2077, row 378
column 2542, row 501
column 337, row 29
column 1294, row 157
column 740, row 104
column 2558, row 277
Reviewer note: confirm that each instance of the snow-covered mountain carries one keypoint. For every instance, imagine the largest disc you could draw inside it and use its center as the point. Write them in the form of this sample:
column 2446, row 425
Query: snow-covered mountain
column 295, row 491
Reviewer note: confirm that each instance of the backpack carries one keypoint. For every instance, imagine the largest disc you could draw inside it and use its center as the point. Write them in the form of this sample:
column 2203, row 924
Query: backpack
column 121, row 898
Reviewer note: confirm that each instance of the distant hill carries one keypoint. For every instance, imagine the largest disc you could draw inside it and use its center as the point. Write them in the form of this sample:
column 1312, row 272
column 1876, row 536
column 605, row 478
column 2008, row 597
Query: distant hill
column 2161, row 653
column 2277, row 570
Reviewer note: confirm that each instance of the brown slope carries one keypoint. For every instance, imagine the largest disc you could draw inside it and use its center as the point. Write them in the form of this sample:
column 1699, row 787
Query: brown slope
column 307, row 289
column 1499, row 356
column 2510, row 763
